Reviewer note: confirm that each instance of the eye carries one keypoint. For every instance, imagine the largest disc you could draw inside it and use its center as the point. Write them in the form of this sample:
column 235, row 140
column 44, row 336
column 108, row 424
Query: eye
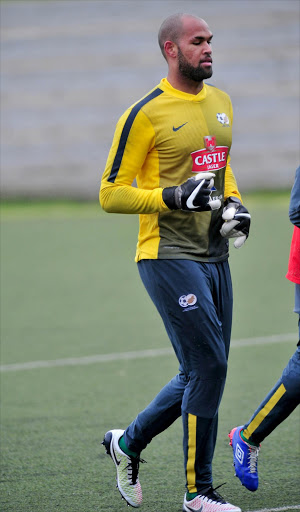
column 200, row 41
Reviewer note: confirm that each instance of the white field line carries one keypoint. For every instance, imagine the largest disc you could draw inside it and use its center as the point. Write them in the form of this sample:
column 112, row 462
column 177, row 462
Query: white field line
column 138, row 354
column 280, row 509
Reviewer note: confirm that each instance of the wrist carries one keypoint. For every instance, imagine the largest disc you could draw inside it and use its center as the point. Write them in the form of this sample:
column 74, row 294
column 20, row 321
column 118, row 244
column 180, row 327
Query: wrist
column 232, row 199
column 168, row 195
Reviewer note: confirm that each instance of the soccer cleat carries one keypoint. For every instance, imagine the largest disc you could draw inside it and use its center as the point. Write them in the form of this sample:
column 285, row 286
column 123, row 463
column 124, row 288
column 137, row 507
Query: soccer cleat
column 209, row 501
column 244, row 459
column 127, row 469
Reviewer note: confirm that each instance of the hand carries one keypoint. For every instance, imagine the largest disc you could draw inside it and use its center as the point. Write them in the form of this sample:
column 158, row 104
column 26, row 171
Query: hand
column 194, row 195
column 237, row 221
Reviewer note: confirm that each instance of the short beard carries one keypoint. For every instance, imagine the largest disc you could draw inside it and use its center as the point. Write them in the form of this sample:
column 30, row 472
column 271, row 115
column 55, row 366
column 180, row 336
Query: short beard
column 197, row 74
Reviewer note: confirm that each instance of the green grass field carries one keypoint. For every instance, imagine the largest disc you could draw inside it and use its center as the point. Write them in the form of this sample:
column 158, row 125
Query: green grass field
column 70, row 289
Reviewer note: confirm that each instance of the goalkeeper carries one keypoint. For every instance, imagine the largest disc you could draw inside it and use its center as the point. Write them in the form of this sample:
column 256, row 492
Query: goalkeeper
column 176, row 142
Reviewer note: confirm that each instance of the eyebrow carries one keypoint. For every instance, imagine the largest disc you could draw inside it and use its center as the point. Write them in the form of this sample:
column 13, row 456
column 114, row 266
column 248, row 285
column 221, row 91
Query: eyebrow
column 200, row 38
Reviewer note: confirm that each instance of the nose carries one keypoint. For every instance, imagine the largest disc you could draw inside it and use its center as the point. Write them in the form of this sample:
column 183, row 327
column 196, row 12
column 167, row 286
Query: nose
column 207, row 48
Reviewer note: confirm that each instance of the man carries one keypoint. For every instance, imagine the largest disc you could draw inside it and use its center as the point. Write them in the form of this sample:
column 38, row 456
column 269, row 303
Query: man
column 170, row 141
column 284, row 397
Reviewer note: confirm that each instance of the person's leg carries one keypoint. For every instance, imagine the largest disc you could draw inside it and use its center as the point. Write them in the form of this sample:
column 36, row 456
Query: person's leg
column 220, row 312
column 125, row 446
column 277, row 405
column 216, row 309
column 165, row 408
column 187, row 295
column 283, row 398
column 157, row 416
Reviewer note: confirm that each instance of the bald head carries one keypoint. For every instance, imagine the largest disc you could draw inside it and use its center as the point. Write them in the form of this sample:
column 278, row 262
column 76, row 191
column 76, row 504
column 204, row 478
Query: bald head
column 172, row 29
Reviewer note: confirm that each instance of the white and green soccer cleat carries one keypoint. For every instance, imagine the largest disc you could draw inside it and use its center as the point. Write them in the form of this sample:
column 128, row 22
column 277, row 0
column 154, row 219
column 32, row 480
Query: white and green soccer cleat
column 127, row 469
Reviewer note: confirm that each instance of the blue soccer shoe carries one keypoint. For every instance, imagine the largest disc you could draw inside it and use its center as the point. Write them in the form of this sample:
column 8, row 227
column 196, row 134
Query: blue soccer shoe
column 244, row 459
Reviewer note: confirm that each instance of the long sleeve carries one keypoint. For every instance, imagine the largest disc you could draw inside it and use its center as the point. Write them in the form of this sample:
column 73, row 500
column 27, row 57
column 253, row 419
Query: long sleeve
column 132, row 145
column 231, row 188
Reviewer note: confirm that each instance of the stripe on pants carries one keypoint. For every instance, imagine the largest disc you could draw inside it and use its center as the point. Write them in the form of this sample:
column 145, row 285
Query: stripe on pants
column 263, row 413
column 190, row 467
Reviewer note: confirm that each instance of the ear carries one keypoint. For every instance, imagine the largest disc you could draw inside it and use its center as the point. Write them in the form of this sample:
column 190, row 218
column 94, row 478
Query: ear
column 170, row 49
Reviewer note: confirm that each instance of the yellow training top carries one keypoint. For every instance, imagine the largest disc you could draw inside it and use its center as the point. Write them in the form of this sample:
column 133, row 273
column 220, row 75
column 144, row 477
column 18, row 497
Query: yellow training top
column 161, row 141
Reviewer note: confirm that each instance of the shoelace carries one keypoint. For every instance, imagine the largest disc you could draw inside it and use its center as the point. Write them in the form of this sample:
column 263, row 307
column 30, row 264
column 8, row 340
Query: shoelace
column 253, row 456
column 212, row 495
column 133, row 469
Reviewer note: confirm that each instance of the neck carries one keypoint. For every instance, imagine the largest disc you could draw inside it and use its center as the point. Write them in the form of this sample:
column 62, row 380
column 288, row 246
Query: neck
column 184, row 84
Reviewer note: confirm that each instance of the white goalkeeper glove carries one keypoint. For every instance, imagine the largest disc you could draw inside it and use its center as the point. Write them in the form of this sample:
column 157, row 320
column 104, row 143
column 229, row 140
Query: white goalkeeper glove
column 194, row 195
column 237, row 221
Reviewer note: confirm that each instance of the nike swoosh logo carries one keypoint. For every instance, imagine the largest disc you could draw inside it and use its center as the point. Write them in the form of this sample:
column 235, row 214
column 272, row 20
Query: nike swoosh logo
column 190, row 200
column 192, row 509
column 118, row 462
column 178, row 127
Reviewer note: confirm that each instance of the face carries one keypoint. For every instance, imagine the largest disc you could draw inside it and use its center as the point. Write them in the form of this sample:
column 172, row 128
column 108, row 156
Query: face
column 194, row 50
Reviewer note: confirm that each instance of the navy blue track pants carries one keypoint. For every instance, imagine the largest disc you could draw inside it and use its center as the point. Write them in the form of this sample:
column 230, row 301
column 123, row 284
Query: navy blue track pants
column 279, row 403
column 194, row 300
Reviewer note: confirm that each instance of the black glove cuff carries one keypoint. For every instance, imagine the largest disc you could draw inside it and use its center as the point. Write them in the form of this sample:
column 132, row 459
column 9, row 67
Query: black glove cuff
column 232, row 199
column 168, row 195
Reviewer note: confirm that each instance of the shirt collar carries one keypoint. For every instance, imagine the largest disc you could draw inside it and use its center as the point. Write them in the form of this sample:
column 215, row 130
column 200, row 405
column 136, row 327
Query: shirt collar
column 167, row 87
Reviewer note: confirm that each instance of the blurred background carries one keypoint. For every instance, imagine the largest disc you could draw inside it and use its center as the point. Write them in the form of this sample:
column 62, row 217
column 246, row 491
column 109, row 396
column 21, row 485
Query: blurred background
column 69, row 288
column 70, row 68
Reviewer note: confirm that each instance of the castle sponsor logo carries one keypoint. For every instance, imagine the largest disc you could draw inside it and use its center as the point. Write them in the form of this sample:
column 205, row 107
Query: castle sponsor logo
column 210, row 142
column 205, row 160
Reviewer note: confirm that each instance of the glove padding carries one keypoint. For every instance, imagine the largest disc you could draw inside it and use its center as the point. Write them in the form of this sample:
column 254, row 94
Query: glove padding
column 194, row 195
column 237, row 221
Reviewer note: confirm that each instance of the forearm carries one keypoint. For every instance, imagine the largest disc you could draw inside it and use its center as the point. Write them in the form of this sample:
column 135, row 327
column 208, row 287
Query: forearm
column 130, row 155
column 231, row 188
column 116, row 198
